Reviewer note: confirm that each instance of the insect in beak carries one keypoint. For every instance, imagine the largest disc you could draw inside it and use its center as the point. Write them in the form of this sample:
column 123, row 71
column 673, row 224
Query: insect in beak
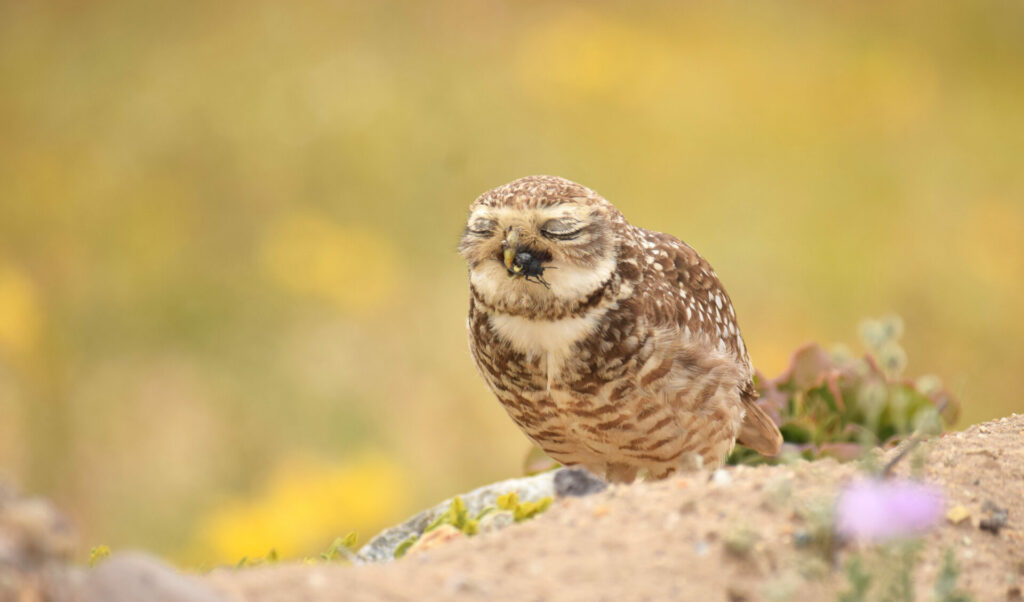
column 524, row 262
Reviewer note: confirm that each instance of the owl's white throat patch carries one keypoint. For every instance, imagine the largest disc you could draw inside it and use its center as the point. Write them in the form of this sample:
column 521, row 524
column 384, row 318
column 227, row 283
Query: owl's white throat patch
column 574, row 282
column 549, row 339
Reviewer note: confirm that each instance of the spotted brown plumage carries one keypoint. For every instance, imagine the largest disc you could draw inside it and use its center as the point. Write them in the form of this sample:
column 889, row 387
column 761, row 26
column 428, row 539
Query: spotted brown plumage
column 627, row 357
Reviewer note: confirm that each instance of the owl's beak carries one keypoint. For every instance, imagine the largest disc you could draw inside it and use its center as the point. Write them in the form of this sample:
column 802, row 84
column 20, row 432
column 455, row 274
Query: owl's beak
column 510, row 244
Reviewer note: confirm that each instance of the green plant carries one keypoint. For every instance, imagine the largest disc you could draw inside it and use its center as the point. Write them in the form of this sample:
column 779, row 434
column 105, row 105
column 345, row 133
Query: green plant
column 945, row 589
column 272, row 557
column 885, row 573
column 520, row 510
column 835, row 404
column 860, row 581
column 98, row 554
column 457, row 515
column 341, row 548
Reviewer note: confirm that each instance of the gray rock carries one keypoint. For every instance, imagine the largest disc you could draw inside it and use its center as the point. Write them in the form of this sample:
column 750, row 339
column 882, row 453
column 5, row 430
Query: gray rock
column 496, row 521
column 36, row 541
column 134, row 576
column 381, row 549
column 577, row 482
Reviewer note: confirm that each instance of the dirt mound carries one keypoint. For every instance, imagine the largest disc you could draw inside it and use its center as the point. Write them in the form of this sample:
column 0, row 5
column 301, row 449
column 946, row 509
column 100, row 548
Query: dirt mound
column 748, row 534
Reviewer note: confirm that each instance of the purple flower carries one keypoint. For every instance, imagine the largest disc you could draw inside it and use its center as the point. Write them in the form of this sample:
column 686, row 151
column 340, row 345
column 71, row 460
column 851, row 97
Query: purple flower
column 876, row 510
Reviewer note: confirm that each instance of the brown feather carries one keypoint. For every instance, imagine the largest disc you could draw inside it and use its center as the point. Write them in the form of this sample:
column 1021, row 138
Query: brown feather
column 758, row 431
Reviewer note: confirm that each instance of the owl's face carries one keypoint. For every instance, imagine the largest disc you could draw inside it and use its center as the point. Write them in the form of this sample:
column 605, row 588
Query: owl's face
column 539, row 239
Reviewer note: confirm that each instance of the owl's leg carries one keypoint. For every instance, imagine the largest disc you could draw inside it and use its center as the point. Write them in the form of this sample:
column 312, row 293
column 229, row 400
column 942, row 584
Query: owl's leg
column 620, row 473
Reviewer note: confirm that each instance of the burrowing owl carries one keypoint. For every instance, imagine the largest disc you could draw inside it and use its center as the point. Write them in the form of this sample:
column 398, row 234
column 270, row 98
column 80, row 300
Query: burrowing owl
column 612, row 347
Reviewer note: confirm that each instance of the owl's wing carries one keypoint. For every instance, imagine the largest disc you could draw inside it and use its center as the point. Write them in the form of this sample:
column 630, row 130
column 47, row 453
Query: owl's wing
column 704, row 308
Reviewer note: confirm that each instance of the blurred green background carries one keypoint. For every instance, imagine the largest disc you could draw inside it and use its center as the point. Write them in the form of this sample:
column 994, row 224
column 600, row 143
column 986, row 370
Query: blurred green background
column 231, row 312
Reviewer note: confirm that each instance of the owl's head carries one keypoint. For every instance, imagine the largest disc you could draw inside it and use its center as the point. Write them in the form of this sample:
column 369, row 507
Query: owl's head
column 540, row 239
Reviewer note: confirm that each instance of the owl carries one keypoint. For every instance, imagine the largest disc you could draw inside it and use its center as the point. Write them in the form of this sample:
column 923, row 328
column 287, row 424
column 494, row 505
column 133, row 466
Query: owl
column 612, row 347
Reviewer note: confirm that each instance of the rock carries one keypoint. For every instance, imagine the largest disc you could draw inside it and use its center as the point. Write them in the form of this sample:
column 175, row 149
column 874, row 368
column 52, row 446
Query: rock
column 577, row 482
column 996, row 519
column 134, row 576
column 958, row 514
column 36, row 542
column 721, row 477
column 381, row 549
column 496, row 521
column 32, row 532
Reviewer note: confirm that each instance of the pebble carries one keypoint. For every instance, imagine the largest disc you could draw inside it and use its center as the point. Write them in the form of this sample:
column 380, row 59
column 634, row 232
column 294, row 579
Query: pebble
column 701, row 548
column 958, row 514
column 996, row 519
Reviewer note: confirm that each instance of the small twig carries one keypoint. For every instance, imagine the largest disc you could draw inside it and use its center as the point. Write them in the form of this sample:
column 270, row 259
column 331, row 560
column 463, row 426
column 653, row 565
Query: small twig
column 914, row 440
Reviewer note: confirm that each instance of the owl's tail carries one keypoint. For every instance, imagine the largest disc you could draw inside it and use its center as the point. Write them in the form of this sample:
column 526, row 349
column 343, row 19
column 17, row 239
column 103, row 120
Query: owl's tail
column 758, row 431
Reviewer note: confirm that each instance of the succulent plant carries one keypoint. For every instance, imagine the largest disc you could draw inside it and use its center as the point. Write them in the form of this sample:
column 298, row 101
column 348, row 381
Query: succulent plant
column 835, row 404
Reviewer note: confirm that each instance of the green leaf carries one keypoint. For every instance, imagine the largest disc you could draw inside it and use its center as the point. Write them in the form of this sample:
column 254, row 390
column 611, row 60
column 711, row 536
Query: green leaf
column 341, row 547
column 526, row 510
column 403, row 547
column 795, row 433
column 509, row 501
column 945, row 582
column 860, row 581
column 824, row 401
column 459, row 512
column 440, row 519
column 98, row 554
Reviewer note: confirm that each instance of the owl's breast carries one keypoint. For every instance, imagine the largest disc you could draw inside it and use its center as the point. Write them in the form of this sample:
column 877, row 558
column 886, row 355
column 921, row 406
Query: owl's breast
column 549, row 343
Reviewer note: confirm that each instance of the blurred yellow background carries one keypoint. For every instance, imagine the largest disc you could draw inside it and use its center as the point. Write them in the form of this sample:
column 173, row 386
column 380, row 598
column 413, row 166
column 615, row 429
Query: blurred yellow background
column 231, row 311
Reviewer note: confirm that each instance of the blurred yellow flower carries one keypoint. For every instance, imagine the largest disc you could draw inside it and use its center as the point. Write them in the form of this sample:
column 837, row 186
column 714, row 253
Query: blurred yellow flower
column 353, row 267
column 302, row 507
column 20, row 317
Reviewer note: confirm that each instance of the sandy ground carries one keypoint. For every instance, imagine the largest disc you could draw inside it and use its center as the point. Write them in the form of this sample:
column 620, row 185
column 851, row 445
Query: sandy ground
column 690, row 538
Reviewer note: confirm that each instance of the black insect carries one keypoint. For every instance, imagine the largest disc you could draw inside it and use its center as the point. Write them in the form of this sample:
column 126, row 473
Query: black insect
column 530, row 266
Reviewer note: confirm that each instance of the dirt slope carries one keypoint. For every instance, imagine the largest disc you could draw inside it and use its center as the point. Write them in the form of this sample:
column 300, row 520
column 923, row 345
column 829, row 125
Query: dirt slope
column 690, row 538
